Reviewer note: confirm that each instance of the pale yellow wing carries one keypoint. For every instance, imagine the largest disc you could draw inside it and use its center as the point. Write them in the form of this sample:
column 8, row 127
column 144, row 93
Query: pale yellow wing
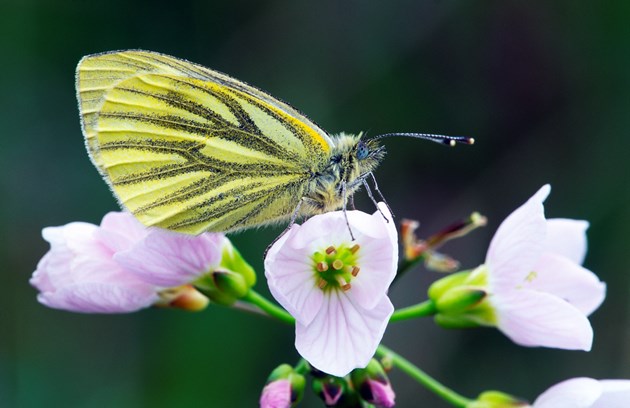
column 190, row 149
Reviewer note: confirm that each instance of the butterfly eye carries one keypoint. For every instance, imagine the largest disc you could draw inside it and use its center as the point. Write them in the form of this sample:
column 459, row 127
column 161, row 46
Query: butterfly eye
column 362, row 151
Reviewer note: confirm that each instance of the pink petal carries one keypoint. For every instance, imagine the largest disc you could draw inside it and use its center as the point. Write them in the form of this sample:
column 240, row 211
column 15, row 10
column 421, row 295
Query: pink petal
column 290, row 276
column 319, row 232
column 164, row 258
column 568, row 238
column 616, row 394
column 343, row 336
column 276, row 394
column 382, row 394
column 563, row 278
column 98, row 297
column 518, row 242
column 120, row 230
column 574, row 393
column 532, row 318
column 378, row 259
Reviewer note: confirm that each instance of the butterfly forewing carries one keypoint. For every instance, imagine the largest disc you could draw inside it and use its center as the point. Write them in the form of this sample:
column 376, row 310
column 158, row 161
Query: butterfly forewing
column 190, row 149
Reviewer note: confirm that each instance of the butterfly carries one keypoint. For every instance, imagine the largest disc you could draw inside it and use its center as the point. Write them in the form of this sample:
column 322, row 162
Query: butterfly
column 190, row 149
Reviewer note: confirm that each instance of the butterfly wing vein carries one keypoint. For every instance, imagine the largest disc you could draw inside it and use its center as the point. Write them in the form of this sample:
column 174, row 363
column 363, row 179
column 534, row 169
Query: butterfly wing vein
column 190, row 149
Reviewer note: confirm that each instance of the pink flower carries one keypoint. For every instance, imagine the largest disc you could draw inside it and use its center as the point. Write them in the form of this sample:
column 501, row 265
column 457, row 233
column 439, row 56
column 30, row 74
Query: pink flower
column 539, row 291
column 119, row 266
column 336, row 288
column 531, row 287
column 276, row 394
column 382, row 394
column 586, row 393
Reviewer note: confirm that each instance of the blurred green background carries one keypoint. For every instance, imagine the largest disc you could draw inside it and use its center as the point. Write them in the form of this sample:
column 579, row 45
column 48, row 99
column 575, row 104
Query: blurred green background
column 544, row 87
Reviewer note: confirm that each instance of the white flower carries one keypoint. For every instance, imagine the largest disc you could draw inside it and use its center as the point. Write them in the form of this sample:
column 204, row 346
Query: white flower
column 531, row 286
column 336, row 288
column 586, row 393
column 540, row 292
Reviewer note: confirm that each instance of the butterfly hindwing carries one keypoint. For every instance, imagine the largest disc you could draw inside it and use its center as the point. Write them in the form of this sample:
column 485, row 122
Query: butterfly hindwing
column 190, row 149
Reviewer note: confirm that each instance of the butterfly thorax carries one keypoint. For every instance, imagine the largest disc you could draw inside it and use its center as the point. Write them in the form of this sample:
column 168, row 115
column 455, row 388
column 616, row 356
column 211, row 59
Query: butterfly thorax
column 351, row 160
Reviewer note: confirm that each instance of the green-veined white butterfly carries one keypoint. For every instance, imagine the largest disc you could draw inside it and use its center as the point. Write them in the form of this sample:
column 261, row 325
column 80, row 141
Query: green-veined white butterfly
column 190, row 149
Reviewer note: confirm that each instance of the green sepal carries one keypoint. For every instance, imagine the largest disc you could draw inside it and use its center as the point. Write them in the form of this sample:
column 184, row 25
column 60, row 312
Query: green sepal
column 437, row 289
column 232, row 260
column 223, row 287
column 497, row 399
column 459, row 299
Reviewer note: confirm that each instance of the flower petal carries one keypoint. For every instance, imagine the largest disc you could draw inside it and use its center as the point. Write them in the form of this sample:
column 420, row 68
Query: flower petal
column 290, row 278
column 574, row 393
column 120, row 230
column 568, row 238
column 563, row 278
column 99, row 297
column 518, row 242
column 343, row 336
column 532, row 318
column 378, row 260
column 616, row 394
column 164, row 258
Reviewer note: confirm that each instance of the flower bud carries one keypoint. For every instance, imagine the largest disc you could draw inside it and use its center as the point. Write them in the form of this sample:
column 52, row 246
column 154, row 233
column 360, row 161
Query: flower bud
column 284, row 388
column 231, row 280
column 184, row 297
column 232, row 260
column 373, row 385
column 497, row 399
column 330, row 389
column 461, row 300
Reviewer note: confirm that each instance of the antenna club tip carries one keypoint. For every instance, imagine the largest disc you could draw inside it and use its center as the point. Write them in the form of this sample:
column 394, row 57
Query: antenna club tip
column 452, row 143
column 471, row 140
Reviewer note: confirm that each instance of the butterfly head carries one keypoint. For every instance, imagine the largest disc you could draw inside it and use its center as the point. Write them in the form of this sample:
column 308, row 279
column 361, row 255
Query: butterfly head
column 368, row 153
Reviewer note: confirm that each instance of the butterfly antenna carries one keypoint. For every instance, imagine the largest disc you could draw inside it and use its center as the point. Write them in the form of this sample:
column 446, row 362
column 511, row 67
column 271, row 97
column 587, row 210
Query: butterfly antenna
column 441, row 139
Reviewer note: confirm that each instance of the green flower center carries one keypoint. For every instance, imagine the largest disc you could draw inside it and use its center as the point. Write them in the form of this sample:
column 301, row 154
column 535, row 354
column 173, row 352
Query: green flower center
column 335, row 267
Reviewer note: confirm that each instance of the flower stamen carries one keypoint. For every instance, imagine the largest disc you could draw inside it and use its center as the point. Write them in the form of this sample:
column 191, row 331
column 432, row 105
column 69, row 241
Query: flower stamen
column 322, row 266
column 330, row 250
column 355, row 270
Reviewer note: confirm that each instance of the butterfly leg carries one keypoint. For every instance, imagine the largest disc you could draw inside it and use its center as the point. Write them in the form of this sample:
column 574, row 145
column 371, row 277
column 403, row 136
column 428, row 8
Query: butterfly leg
column 369, row 193
column 381, row 194
column 345, row 204
column 351, row 202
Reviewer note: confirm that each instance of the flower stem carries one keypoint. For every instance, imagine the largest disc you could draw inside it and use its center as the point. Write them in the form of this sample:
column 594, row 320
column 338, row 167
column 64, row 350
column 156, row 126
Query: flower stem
column 267, row 306
column 423, row 378
column 426, row 308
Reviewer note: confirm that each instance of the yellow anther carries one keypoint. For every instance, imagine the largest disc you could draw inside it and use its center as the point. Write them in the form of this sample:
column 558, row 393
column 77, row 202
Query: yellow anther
column 355, row 248
column 355, row 270
column 331, row 249
column 346, row 287
column 322, row 266
column 322, row 284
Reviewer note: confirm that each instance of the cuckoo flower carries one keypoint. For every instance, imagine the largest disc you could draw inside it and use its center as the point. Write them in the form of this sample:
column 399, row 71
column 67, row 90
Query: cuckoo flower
column 586, row 393
column 532, row 286
column 276, row 394
column 336, row 288
column 122, row 266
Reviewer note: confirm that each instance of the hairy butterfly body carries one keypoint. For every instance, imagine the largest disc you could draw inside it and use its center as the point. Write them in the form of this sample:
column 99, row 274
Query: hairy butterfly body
column 190, row 149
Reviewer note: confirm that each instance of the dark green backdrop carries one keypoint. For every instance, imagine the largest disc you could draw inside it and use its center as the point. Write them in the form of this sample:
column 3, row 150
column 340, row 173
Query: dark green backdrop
column 544, row 88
